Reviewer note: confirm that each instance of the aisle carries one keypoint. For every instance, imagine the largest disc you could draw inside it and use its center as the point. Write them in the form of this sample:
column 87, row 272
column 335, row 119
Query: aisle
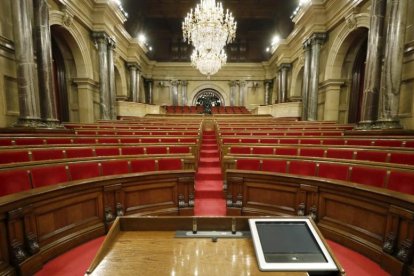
column 209, row 197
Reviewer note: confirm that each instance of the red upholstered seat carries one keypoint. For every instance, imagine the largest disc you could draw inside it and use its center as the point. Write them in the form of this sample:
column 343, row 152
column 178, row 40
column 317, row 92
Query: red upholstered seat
column 14, row 181
column 388, row 143
column 47, row 154
column 107, row 151
column 29, row 141
column 169, row 140
column 108, row 140
column 50, row 175
column 114, row 167
column 409, row 144
column 310, row 142
column 302, row 168
column 83, row 140
column 287, row 151
column 150, row 140
column 58, row 141
column 293, row 133
column 311, row 133
column 240, row 150
column 79, row 152
column 264, row 150
column 402, row 158
column 401, row 181
column 250, row 140
column 269, row 141
column 248, row 164
column 340, row 153
column 230, row 140
column 368, row 175
column 79, row 171
column 333, row 171
column 359, row 142
column 170, row 164
column 130, row 140
column 132, row 150
column 143, row 165
column 180, row 149
column 6, row 142
column 289, row 141
column 376, row 156
column 333, row 141
column 274, row 166
column 188, row 140
column 157, row 150
column 312, row 152
column 14, row 156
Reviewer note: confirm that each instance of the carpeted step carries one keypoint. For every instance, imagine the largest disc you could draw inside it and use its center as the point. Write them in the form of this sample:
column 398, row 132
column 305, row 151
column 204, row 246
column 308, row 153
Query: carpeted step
column 210, row 142
column 209, row 153
column 209, row 147
column 208, row 176
column 209, row 207
column 205, row 163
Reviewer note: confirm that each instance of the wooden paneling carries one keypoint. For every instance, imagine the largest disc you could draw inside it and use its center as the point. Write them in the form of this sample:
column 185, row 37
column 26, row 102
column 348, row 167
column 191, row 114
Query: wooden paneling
column 42, row 223
column 376, row 222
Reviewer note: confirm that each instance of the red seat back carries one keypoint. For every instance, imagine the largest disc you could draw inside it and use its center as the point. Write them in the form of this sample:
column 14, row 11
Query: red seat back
column 180, row 149
column 240, row 150
column 157, row 150
column 107, row 151
column 47, row 154
column 274, row 166
column 14, row 181
column 402, row 158
column 114, row 167
column 143, row 165
column 265, row 150
column 302, row 168
column 376, row 156
column 51, row 175
column 333, row 171
column 312, row 152
column 14, row 156
column 132, row 150
column 79, row 152
column 369, row 176
column 401, row 181
column 248, row 164
column 170, row 164
column 83, row 170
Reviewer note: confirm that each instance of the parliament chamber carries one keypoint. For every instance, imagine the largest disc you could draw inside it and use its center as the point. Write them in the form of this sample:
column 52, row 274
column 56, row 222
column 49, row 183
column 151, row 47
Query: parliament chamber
column 111, row 142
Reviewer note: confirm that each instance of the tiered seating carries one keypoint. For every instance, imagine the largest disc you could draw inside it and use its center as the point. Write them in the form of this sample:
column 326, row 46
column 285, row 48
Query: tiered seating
column 184, row 109
column 229, row 110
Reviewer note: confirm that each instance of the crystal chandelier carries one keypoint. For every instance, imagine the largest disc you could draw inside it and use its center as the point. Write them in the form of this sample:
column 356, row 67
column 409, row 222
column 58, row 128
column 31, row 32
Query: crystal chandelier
column 209, row 30
column 208, row 63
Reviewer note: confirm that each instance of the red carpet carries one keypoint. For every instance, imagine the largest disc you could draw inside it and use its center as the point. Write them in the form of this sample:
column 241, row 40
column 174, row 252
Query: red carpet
column 74, row 262
column 209, row 198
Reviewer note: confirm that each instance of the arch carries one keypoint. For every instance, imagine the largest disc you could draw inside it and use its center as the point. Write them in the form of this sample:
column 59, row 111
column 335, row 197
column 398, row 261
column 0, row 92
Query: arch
column 120, row 79
column 208, row 98
column 297, row 82
column 215, row 87
column 342, row 43
column 75, row 40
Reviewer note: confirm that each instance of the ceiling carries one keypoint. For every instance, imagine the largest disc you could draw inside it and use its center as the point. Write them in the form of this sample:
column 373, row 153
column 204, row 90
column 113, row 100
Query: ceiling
column 257, row 22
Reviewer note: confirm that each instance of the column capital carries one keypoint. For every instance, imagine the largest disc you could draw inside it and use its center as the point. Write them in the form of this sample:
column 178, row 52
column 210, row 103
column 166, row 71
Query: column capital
column 100, row 37
column 270, row 81
column 242, row 83
column 233, row 83
column 318, row 38
column 184, row 83
column 174, row 83
column 111, row 43
column 285, row 66
column 132, row 65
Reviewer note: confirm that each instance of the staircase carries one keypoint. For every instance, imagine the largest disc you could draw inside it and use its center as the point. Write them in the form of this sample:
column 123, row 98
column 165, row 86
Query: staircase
column 209, row 199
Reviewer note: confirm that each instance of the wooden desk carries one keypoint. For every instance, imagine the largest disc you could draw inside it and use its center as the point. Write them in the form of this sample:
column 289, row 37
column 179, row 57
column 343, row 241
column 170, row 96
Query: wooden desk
column 148, row 246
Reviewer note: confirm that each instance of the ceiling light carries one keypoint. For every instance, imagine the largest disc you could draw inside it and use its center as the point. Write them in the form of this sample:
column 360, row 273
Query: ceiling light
column 275, row 40
column 142, row 38
column 208, row 63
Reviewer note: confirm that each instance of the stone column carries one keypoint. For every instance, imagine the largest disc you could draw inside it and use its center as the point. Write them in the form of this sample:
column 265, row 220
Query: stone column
column 101, row 39
column 133, row 67
column 184, row 85
column 140, row 94
column 372, row 82
column 279, row 86
column 306, row 79
column 268, row 92
column 392, row 68
column 317, row 39
column 26, row 68
column 111, row 78
column 43, row 41
column 233, row 85
column 174, row 92
column 242, row 92
column 148, row 98
column 284, row 68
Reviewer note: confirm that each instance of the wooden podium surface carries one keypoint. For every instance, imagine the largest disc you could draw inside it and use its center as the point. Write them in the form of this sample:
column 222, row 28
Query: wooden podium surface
column 148, row 246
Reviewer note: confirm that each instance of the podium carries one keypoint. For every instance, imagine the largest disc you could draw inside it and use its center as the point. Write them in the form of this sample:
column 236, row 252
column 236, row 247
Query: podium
column 181, row 246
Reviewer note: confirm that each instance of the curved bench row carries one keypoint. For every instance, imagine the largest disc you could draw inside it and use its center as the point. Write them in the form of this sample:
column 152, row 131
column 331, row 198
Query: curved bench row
column 20, row 155
column 407, row 142
column 404, row 156
column 79, row 140
column 375, row 222
column 39, row 224
column 225, row 133
column 21, row 178
column 396, row 178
